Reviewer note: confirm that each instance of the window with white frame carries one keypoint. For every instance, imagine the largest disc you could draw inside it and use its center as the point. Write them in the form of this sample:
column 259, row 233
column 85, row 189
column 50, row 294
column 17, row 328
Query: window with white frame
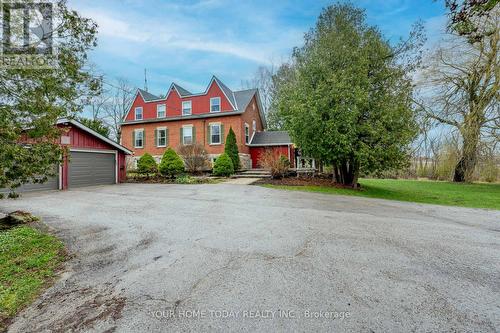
column 247, row 134
column 139, row 138
column 138, row 113
column 215, row 104
column 186, row 108
column 161, row 137
column 161, row 111
column 187, row 135
column 254, row 125
column 215, row 134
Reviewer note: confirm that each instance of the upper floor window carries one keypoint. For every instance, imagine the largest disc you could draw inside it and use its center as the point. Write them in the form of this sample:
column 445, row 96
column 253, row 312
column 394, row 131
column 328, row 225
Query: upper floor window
column 215, row 133
column 161, row 111
column 215, row 104
column 161, row 137
column 247, row 134
column 254, row 125
column 138, row 113
column 139, row 138
column 187, row 135
column 186, row 108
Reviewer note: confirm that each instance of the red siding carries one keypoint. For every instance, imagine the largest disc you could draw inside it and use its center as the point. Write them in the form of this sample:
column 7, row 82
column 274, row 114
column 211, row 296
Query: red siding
column 256, row 152
column 200, row 104
column 82, row 139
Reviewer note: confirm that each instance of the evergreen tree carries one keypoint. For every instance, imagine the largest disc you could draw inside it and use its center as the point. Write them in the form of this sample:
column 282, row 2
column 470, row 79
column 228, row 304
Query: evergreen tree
column 347, row 99
column 231, row 149
column 147, row 164
column 171, row 164
column 223, row 166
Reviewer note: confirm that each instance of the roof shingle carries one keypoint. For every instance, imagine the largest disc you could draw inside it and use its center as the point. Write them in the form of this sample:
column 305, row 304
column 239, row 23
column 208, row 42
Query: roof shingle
column 272, row 138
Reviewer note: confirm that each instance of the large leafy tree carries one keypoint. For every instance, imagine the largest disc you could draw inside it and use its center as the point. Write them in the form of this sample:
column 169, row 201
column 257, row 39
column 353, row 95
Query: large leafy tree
column 31, row 101
column 347, row 97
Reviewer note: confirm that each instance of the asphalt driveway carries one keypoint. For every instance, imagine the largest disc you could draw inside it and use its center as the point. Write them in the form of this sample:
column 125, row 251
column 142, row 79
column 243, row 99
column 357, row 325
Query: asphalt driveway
column 232, row 257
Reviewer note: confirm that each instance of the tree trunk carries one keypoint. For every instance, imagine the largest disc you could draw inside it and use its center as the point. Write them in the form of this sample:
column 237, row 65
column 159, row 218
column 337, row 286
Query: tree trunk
column 464, row 169
column 347, row 173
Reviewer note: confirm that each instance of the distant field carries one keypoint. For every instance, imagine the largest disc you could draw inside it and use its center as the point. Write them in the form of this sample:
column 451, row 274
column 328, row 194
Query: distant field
column 479, row 195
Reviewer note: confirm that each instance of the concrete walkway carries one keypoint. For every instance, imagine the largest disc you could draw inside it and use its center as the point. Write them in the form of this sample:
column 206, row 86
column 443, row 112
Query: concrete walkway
column 241, row 181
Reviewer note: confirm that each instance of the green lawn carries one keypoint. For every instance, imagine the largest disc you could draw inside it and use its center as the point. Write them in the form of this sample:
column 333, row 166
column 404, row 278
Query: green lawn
column 28, row 261
column 439, row 193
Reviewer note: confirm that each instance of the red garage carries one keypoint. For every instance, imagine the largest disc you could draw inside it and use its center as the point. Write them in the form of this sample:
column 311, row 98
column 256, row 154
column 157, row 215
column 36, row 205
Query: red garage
column 92, row 160
column 277, row 141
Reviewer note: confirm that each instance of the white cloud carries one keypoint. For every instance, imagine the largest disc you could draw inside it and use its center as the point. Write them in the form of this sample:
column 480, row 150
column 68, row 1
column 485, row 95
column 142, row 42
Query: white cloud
column 156, row 35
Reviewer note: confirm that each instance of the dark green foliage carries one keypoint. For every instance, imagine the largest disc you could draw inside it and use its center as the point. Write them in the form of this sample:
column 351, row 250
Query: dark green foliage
column 171, row 164
column 147, row 164
column 347, row 96
column 231, row 149
column 223, row 166
column 97, row 125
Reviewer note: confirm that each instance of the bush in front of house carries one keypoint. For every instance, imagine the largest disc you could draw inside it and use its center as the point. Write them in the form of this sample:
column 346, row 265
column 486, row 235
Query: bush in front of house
column 223, row 166
column 147, row 164
column 231, row 149
column 277, row 165
column 171, row 164
column 195, row 157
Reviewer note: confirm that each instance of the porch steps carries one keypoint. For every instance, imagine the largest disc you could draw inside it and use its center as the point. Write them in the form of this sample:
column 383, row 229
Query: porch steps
column 253, row 173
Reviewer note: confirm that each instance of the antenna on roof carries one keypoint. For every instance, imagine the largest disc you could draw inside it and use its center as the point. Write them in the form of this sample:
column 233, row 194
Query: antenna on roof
column 145, row 79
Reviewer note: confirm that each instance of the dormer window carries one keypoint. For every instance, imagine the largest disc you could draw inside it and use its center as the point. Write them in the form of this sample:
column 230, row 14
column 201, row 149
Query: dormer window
column 138, row 113
column 186, row 108
column 161, row 111
column 215, row 104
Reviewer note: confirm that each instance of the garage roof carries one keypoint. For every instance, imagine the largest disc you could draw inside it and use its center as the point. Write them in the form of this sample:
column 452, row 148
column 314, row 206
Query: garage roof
column 94, row 133
column 271, row 138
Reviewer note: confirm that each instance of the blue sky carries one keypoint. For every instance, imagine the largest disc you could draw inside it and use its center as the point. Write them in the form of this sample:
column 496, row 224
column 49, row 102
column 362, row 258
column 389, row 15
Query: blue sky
column 189, row 41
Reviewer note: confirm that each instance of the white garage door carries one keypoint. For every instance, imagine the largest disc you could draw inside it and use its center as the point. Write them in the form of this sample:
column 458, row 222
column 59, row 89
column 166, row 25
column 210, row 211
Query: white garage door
column 91, row 168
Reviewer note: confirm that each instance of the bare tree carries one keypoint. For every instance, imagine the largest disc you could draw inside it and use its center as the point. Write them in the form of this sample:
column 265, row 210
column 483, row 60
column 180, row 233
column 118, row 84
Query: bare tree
column 461, row 90
column 262, row 80
column 117, row 105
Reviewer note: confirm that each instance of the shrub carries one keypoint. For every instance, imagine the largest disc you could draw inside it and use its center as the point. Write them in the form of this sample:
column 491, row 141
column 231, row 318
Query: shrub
column 223, row 166
column 147, row 164
column 489, row 172
column 277, row 165
column 231, row 149
column 171, row 164
column 194, row 156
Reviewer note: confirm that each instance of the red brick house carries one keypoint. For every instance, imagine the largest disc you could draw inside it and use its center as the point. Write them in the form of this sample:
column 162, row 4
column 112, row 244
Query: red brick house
column 153, row 123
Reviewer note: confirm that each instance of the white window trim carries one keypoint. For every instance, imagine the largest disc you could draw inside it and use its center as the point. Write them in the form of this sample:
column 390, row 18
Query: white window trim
column 220, row 134
column 183, row 136
column 254, row 125
column 142, row 113
column 247, row 127
column 135, row 137
column 157, row 111
column 190, row 108
column 158, row 129
column 213, row 99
